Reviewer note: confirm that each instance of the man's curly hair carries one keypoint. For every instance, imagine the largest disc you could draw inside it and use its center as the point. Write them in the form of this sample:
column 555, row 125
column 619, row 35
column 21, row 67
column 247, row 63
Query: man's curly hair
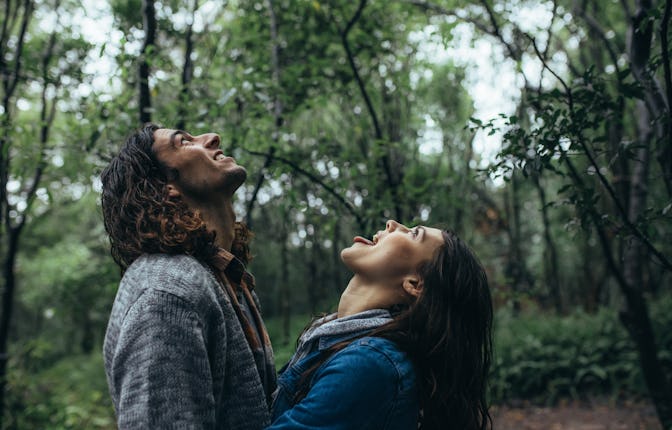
column 139, row 216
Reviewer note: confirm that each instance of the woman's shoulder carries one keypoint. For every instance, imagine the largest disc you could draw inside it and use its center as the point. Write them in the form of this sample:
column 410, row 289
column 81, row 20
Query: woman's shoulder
column 377, row 354
column 379, row 344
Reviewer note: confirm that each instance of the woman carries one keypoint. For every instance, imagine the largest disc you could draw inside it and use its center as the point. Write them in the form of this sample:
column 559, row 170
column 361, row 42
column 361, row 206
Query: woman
column 410, row 346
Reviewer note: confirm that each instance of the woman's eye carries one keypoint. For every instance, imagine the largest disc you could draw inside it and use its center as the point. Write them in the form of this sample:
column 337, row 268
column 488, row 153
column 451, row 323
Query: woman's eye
column 186, row 142
column 414, row 232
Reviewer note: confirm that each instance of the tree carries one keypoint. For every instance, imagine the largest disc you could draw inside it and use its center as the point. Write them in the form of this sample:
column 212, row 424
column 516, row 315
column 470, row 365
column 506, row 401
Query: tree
column 149, row 25
column 34, row 69
column 575, row 133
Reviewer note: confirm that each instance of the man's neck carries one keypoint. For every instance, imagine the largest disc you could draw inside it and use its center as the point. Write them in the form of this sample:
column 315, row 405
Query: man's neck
column 220, row 217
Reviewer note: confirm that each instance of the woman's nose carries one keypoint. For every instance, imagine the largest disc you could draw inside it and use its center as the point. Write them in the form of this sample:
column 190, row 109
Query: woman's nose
column 391, row 225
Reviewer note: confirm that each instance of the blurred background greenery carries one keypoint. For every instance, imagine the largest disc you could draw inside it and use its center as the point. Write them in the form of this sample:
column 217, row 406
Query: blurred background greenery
column 538, row 130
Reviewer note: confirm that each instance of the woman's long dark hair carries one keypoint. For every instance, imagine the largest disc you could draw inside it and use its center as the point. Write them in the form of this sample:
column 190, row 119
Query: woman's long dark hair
column 447, row 332
column 139, row 216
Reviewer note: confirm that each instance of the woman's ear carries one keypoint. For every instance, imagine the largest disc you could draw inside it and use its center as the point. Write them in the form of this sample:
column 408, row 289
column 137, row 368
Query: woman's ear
column 173, row 192
column 413, row 285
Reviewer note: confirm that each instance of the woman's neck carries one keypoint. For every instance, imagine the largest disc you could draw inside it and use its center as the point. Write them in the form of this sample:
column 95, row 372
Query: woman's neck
column 362, row 295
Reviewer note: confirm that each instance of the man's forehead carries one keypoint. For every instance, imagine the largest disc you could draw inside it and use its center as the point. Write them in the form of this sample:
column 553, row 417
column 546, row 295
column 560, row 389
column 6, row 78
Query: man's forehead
column 163, row 134
column 164, row 137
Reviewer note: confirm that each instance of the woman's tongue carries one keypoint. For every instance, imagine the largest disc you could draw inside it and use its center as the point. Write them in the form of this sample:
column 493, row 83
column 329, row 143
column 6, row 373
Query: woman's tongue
column 360, row 239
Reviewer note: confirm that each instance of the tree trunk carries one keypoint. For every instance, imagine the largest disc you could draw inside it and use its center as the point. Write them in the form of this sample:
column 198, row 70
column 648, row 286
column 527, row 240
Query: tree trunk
column 337, row 278
column 149, row 24
column 551, row 273
column 636, row 315
column 10, row 75
column 650, row 115
column 594, row 278
column 639, row 49
column 516, row 269
column 665, row 147
column 285, row 290
column 313, row 279
column 8, row 274
column 277, row 108
column 187, row 72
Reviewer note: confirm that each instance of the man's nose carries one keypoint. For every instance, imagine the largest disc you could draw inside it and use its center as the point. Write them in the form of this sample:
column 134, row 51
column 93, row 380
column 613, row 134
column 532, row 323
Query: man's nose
column 211, row 140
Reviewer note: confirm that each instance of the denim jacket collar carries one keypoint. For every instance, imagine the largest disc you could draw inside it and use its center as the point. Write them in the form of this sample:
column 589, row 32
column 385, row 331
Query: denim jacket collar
column 330, row 330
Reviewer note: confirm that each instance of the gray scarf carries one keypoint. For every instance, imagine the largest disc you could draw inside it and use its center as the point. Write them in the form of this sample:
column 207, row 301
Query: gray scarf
column 329, row 326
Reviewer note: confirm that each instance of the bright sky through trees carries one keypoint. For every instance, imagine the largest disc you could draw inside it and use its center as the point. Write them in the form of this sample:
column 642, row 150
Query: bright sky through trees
column 490, row 78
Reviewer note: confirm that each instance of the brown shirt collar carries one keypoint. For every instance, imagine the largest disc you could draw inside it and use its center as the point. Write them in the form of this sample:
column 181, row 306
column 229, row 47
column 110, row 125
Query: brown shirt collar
column 233, row 269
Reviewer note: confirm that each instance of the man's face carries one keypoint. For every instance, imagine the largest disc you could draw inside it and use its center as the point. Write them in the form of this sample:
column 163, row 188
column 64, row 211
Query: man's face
column 203, row 169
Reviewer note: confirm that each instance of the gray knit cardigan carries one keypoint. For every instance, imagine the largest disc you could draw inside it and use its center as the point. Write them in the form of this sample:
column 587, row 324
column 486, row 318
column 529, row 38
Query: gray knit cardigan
column 175, row 354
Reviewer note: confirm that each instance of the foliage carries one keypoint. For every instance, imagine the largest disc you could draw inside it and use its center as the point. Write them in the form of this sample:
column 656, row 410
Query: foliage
column 346, row 114
column 70, row 394
column 284, row 348
column 541, row 359
column 577, row 356
column 68, row 281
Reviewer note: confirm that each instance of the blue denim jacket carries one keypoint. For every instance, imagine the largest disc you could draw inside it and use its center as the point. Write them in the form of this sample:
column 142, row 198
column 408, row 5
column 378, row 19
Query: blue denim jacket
column 370, row 384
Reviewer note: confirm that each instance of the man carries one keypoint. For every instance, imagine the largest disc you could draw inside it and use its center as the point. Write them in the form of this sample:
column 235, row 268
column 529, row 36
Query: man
column 185, row 345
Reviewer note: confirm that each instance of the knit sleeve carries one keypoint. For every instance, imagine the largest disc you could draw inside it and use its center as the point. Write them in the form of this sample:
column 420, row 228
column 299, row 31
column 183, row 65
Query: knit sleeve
column 160, row 371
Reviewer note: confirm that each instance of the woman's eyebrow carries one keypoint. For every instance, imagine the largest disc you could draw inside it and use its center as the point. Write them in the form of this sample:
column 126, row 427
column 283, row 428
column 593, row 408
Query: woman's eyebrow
column 421, row 228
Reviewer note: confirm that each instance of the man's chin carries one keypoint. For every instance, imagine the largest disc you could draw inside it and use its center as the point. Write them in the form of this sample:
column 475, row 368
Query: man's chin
column 236, row 178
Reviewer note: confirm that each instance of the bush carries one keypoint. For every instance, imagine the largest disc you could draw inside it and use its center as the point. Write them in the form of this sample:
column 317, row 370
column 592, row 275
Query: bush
column 537, row 357
column 70, row 395
column 284, row 346
column 545, row 358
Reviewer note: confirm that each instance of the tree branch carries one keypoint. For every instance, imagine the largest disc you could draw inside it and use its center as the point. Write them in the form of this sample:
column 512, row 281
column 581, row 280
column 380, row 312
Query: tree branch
column 10, row 82
column 549, row 31
column 513, row 51
column 47, row 115
column 626, row 8
column 430, row 7
column 355, row 71
column 610, row 191
column 19, row 49
column 348, row 206
column 385, row 159
column 595, row 26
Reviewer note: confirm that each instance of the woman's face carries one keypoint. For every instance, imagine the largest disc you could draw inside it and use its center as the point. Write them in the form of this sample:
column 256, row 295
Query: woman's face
column 393, row 253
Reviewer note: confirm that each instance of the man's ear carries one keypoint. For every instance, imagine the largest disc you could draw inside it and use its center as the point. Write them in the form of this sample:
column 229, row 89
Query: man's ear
column 413, row 285
column 173, row 192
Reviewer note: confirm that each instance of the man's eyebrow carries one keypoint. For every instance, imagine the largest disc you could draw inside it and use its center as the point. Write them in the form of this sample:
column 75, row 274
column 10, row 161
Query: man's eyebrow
column 175, row 133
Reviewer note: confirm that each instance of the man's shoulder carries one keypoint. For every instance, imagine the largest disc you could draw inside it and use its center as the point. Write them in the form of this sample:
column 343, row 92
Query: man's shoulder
column 181, row 275
column 171, row 263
